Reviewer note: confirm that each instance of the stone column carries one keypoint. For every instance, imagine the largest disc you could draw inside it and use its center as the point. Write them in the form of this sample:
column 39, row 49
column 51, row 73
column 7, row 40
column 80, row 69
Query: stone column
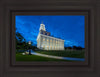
column 63, row 45
column 49, row 43
column 60, row 45
column 41, row 40
column 44, row 42
column 57, row 44
column 53, row 44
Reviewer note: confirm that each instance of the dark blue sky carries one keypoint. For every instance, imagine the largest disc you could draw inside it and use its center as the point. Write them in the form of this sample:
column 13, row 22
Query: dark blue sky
column 69, row 27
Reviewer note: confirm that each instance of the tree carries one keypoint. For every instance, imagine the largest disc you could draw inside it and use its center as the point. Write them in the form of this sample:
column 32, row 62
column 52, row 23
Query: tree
column 74, row 47
column 20, row 42
column 69, row 47
column 19, row 37
column 79, row 48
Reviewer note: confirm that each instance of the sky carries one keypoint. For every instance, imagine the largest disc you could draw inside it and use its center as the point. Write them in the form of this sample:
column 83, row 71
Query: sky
column 70, row 28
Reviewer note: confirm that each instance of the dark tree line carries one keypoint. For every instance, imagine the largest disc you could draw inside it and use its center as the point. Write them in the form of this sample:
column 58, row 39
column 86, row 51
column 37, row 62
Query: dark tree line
column 75, row 48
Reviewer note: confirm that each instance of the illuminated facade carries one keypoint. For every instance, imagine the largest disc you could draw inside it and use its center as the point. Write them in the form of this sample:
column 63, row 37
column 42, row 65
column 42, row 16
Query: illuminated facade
column 47, row 42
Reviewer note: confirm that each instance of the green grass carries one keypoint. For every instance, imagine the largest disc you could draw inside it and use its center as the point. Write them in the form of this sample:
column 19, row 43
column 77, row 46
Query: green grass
column 20, row 57
column 74, row 54
column 63, row 53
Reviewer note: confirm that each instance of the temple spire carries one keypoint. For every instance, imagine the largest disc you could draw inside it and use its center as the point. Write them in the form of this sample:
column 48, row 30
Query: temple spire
column 42, row 26
column 42, row 22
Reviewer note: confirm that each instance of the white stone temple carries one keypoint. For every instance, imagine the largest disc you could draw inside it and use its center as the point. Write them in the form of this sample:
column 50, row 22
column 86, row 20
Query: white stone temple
column 47, row 42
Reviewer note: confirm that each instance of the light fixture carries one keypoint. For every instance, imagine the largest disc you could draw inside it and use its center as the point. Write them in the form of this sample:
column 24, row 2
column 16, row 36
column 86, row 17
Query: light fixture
column 29, row 42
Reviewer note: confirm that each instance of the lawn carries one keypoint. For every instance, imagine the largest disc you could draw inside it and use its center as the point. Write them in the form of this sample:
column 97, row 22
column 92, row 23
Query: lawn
column 64, row 53
column 20, row 57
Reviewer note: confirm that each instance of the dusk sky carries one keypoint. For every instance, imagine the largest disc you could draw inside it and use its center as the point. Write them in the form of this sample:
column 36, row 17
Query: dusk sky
column 70, row 28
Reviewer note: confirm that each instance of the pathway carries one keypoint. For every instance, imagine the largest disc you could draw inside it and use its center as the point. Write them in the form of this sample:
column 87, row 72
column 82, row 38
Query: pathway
column 58, row 57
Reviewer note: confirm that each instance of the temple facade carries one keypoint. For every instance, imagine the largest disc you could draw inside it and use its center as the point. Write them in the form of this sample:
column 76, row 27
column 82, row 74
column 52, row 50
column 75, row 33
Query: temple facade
column 47, row 42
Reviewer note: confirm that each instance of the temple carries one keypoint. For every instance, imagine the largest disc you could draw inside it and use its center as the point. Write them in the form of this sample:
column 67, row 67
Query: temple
column 47, row 42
